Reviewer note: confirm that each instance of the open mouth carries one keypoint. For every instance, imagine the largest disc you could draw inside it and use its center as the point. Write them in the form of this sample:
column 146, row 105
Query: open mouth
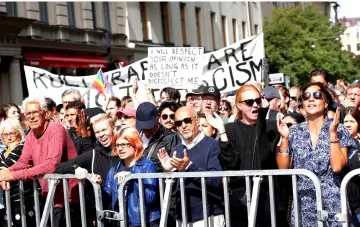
column 256, row 111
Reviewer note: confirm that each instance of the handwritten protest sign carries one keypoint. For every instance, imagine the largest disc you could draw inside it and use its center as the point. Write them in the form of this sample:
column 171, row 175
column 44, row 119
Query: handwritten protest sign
column 227, row 69
column 177, row 67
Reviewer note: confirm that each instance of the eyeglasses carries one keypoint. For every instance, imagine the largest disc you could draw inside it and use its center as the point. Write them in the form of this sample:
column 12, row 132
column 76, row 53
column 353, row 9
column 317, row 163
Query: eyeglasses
column 123, row 145
column 224, row 108
column 124, row 117
column 250, row 102
column 67, row 102
column 11, row 134
column 307, row 95
column 187, row 120
column 34, row 113
column 166, row 116
column 293, row 98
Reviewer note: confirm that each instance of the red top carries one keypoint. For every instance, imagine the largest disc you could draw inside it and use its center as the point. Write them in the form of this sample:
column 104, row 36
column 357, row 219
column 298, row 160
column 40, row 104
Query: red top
column 40, row 156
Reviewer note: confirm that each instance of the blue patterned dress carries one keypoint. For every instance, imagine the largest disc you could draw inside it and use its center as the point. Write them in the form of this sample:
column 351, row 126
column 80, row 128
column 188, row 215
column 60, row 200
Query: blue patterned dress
column 318, row 162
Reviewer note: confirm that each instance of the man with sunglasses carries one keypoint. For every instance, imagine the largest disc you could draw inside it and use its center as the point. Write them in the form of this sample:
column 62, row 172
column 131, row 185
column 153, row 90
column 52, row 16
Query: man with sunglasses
column 196, row 153
column 153, row 134
column 294, row 98
column 272, row 95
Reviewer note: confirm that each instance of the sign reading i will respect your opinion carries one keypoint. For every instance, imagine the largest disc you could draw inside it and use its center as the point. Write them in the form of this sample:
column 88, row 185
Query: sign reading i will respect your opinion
column 177, row 67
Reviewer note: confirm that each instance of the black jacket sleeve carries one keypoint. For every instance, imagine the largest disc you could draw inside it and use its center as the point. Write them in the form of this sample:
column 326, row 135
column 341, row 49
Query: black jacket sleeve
column 83, row 161
column 229, row 156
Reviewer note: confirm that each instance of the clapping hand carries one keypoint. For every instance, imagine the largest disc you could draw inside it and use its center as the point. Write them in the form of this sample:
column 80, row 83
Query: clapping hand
column 180, row 163
column 165, row 159
column 335, row 123
column 215, row 121
column 282, row 128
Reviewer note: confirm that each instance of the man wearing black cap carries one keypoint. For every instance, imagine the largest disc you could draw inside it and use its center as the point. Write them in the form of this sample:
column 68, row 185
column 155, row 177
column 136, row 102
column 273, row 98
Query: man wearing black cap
column 210, row 102
column 193, row 98
column 153, row 134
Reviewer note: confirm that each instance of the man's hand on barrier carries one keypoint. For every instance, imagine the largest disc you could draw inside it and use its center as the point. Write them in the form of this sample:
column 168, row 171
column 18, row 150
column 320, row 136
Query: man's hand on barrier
column 165, row 160
column 6, row 175
column 180, row 163
column 96, row 178
column 121, row 176
column 5, row 185
column 81, row 173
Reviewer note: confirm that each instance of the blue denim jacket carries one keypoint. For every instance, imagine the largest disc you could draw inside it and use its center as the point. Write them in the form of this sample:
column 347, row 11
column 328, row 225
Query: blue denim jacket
column 152, row 205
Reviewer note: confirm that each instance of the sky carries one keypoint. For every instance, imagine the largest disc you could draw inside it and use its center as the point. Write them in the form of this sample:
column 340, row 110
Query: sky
column 349, row 8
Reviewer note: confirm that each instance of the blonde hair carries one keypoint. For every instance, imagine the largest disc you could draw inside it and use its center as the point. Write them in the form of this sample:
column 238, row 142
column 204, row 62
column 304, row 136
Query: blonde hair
column 238, row 97
column 15, row 124
column 102, row 117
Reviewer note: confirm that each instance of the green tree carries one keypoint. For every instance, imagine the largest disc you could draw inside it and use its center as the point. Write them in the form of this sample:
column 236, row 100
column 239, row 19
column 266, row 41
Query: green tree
column 289, row 38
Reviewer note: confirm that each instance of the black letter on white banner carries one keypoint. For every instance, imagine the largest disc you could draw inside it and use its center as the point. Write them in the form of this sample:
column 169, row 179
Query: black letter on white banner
column 35, row 78
column 213, row 60
column 257, row 67
column 243, row 51
column 70, row 85
column 144, row 68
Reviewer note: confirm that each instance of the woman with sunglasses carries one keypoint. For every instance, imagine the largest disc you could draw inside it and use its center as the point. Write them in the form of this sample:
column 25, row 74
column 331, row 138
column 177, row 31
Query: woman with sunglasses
column 167, row 111
column 129, row 147
column 244, row 145
column 225, row 108
column 125, row 118
column 320, row 145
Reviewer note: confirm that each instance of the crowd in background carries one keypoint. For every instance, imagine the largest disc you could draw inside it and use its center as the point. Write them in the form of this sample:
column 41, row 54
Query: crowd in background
column 314, row 127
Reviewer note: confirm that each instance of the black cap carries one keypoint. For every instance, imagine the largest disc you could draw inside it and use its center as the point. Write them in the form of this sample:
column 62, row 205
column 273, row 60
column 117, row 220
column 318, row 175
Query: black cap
column 211, row 90
column 197, row 91
column 146, row 116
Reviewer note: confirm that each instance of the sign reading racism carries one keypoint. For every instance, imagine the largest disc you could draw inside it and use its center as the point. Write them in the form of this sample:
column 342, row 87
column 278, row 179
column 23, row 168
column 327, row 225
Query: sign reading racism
column 227, row 69
column 177, row 67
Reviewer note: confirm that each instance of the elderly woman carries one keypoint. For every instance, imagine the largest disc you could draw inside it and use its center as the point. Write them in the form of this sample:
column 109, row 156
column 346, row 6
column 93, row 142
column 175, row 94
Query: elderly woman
column 12, row 135
column 320, row 145
column 129, row 147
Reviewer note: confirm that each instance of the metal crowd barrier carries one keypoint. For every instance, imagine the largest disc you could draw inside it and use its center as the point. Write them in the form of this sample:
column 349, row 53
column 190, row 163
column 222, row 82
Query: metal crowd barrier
column 252, row 195
column 343, row 216
column 53, row 181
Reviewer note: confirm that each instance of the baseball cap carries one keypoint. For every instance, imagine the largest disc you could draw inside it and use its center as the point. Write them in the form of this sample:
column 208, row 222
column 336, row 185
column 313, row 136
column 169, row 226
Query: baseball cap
column 130, row 112
column 197, row 91
column 146, row 116
column 211, row 90
column 271, row 92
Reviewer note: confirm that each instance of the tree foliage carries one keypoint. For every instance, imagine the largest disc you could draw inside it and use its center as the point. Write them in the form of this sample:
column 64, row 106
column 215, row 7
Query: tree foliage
column 289, row 37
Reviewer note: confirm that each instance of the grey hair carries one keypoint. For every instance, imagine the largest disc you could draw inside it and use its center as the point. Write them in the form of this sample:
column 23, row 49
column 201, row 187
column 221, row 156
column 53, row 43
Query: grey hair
column 35, row 99
column 73, row 92
column 13, row 123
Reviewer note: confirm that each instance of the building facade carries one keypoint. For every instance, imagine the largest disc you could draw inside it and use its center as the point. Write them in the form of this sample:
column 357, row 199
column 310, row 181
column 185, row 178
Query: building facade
column 78, row 38
column 351, row 37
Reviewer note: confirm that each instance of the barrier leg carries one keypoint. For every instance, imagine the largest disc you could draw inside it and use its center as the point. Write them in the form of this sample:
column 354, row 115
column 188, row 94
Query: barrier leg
column 272, row 202
column 166, row 202
column 254, row 201
column 226, row 201
column 8, row 208
column 36, row 202
column 248, row 194
column 82, row 204
column 295, row 200
column 204, row 202
column 49, row 203
column 183, row 202
column 66, row 202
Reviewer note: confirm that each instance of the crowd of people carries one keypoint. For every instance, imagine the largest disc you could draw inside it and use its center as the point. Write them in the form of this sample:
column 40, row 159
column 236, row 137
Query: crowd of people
column 314, row 127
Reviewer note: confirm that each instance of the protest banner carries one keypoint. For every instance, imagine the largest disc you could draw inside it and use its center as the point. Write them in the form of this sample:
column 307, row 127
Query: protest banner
column 177, row 67
column 227, row 69
column 232, row 66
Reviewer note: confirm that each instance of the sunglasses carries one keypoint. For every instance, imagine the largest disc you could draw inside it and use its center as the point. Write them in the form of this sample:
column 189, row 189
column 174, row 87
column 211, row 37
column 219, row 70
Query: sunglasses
column 289, row 124
column 224, row 108
column 187, row 120
column 124, row 116
column 166, row 116
column 307, row 95
column 123, row 145
column 250, row 102
column 293, row 98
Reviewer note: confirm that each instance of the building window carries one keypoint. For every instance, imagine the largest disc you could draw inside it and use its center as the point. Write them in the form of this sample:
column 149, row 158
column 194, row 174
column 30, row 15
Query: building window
column 11, row 9
column 213, row 20
column 107, row 16
column 198, row 27
column 244, row 29
column 347, row 23
column 234, row 27
column 223, row 27
column 143, row 15
column 71, row 13
column 43, row 12
column 165, row 21
column 256, row 29
column 349, row 48
column 358, row 47
column 183, row 22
